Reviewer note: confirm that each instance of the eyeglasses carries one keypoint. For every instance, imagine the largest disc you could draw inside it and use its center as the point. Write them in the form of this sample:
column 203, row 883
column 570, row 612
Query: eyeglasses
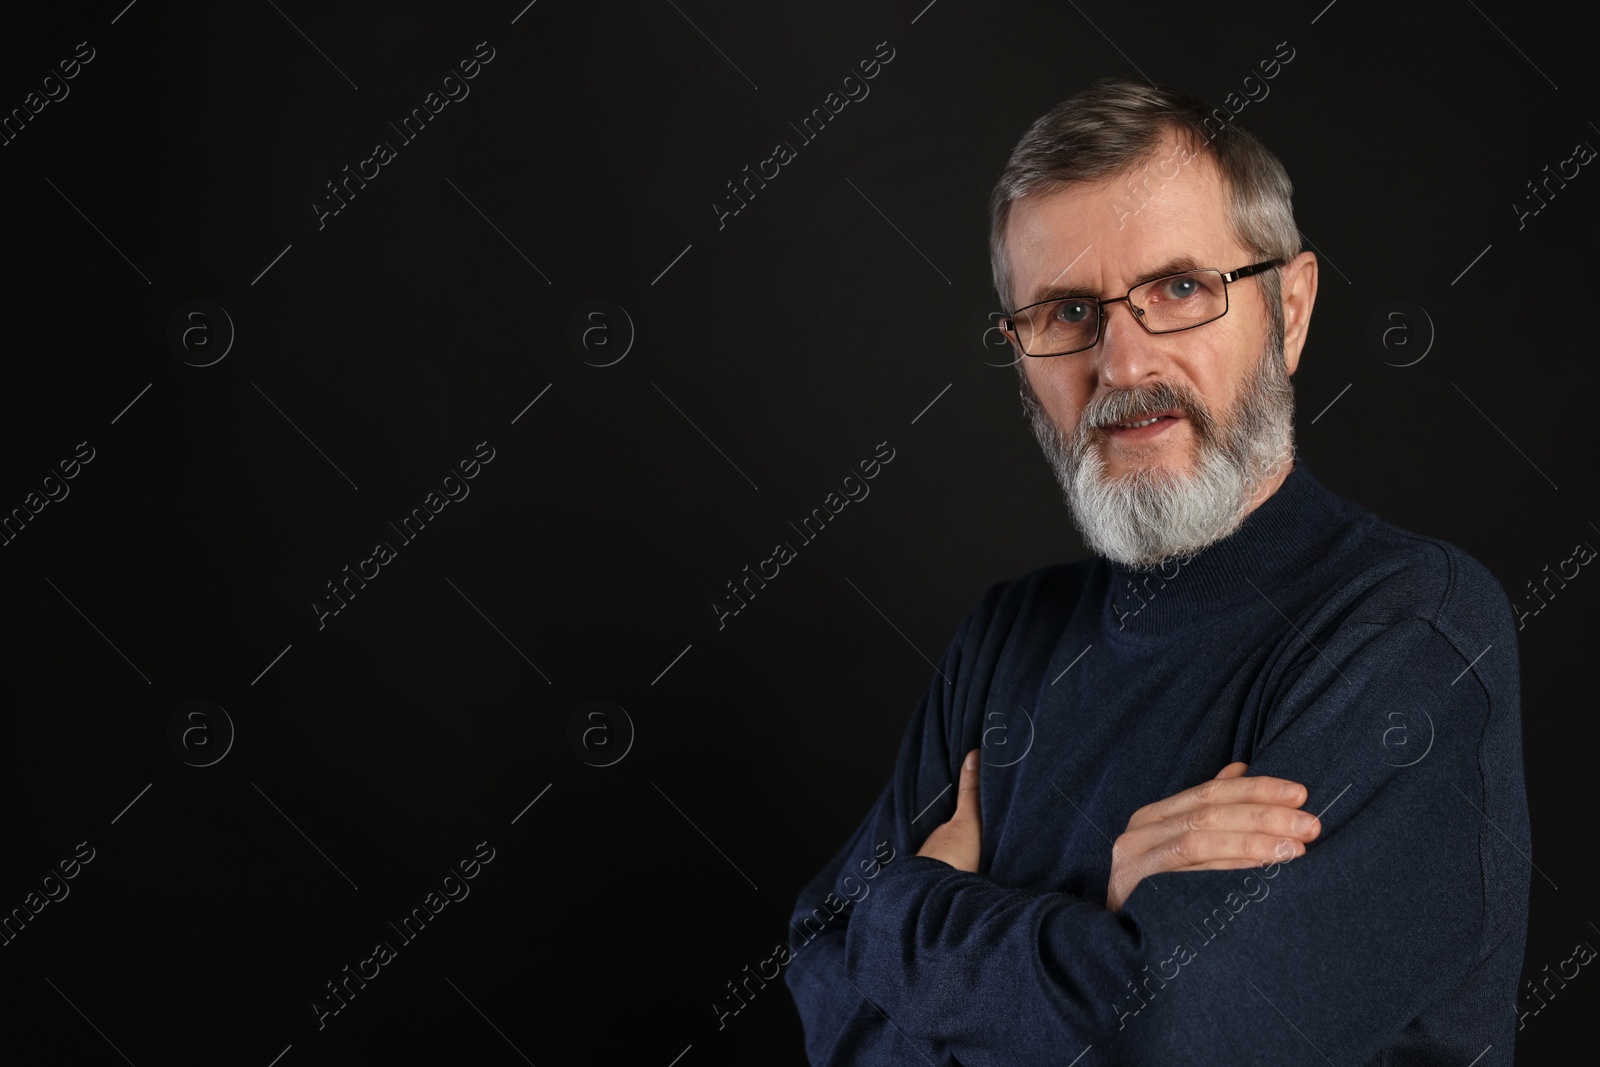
column 1166, row 305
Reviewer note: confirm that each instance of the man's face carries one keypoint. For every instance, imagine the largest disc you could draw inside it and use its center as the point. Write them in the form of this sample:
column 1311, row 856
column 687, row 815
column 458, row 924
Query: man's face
column 1224, row 441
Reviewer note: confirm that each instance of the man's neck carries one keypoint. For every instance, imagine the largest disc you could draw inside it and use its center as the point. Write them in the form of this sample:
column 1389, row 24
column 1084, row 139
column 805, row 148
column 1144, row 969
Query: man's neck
column 1294, row 526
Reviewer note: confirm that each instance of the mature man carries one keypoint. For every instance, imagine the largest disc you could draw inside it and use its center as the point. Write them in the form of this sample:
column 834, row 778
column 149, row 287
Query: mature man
column 1125, row 892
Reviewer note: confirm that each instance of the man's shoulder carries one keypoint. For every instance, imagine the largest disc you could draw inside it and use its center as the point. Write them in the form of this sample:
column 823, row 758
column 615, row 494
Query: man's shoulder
column 1389, row 580
column 1399, row 574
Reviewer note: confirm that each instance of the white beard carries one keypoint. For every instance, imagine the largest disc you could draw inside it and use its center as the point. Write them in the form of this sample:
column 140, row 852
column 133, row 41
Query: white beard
column 1152, row 514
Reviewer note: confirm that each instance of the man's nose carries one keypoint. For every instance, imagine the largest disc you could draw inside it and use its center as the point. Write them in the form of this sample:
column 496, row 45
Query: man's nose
column 1126, row 354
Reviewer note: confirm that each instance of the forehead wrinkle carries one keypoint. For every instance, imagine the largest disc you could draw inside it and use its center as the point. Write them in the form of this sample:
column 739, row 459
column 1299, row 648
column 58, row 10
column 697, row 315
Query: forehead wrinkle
column 1069, row 266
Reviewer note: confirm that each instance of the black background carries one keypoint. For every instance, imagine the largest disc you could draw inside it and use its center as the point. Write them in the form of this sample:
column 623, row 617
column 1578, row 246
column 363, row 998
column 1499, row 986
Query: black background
column 843, row 307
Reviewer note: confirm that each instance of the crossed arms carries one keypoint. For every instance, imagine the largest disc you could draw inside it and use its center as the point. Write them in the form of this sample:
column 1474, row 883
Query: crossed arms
column 1414, row 878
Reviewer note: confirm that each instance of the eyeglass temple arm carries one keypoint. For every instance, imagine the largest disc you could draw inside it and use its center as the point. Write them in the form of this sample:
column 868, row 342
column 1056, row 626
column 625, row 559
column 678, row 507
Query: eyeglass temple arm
column 1255, row 268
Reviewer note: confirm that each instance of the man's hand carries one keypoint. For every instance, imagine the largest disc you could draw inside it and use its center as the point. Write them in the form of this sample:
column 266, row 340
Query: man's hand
column 1226, row 823
column 959, row 841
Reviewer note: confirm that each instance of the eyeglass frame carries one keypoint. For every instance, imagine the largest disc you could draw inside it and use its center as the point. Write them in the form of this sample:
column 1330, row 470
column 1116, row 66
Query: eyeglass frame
column 1009, row 323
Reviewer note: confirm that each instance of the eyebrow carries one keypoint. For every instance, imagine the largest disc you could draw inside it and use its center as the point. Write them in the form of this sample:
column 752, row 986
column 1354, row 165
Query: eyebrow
column 1177, row 265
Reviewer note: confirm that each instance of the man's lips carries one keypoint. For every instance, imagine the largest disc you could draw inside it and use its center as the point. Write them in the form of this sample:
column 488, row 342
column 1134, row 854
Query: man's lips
column 1165, row 413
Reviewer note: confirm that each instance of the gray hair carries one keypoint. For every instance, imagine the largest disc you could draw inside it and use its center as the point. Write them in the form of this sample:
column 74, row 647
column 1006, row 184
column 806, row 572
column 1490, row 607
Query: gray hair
column 1112, row 127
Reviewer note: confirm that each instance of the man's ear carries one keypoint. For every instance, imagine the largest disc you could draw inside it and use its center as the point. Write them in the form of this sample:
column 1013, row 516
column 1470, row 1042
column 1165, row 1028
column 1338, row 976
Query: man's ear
column 1299, row 292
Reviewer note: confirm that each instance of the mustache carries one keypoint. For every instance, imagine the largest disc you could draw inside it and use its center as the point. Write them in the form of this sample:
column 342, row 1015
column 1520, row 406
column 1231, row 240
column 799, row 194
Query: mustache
column 1126, row 404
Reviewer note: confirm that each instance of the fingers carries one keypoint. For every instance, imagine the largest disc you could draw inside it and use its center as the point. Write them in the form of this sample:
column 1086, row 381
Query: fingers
column 1138, row 854
column 967, row 787
column 1233, row 835
column 1281, row 853
column 1272, row 819
column 1235, row 789
column 1195, row 851
column 959, row 842
column 1241, row 789
column 1212, row 849
column 1232, row 821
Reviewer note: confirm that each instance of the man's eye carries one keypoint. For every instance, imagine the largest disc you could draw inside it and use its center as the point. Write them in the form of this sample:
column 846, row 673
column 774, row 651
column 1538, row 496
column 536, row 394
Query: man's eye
column 1179, row 288
column 1072, row 312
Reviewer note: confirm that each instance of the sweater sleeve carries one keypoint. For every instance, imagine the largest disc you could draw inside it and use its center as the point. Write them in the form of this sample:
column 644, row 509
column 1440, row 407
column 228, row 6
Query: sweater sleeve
column 842, row 1026
column 1324, row 958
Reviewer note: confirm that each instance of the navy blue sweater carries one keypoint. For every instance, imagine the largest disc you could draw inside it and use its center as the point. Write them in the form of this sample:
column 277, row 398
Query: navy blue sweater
column 1317, row 643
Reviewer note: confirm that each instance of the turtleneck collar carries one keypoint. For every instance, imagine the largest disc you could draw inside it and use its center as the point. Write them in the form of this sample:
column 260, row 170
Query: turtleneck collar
column 1287, row 535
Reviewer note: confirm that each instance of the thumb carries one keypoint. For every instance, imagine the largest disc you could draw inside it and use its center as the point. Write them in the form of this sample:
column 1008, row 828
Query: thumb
column 967, row 788
column 1233, row 770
